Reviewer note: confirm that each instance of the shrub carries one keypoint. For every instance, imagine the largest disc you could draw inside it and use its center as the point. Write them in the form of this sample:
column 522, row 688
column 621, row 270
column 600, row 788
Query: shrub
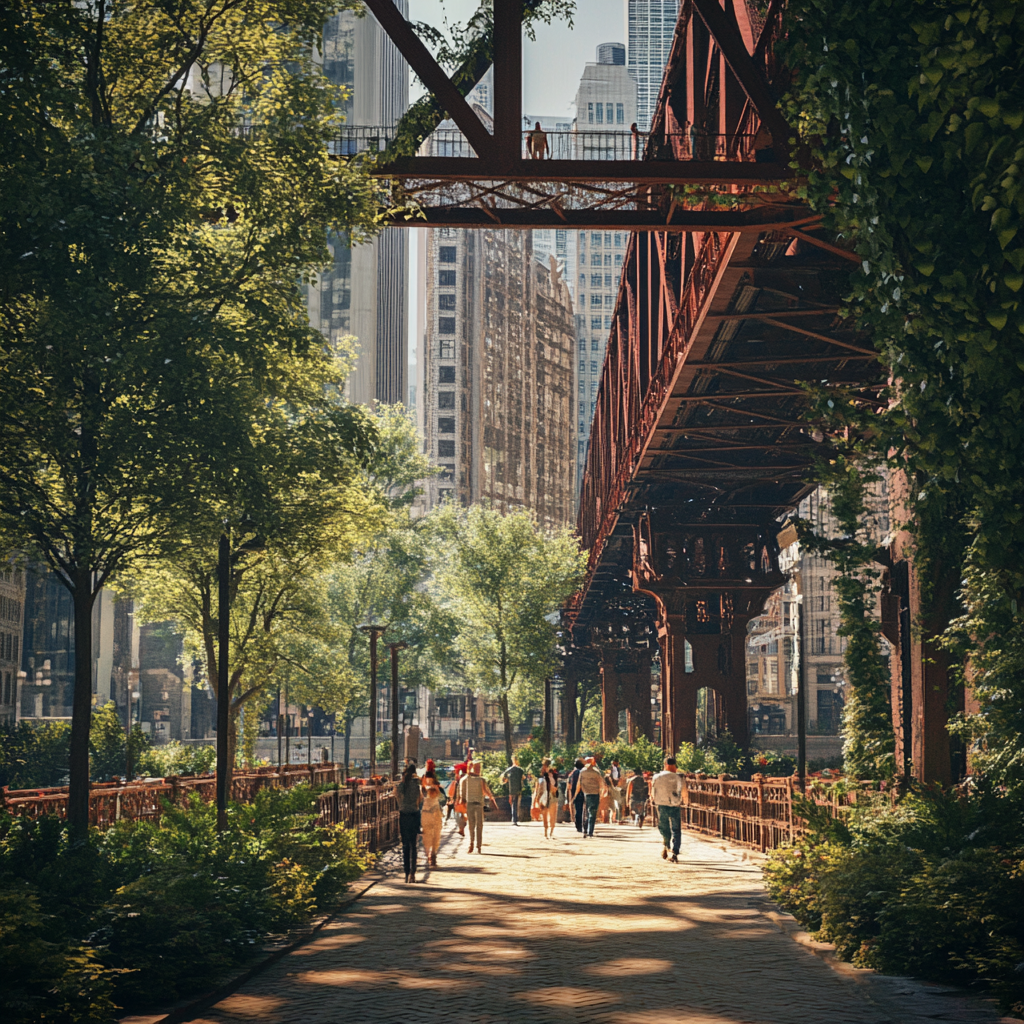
column 34, row 755
column 153, row 911
column 176, row 758
column 931, row 887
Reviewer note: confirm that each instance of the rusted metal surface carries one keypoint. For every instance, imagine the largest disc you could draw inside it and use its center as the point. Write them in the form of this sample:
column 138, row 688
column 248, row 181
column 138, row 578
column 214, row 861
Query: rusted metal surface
column 483, row 174
column 113, row 801
column 760, row 814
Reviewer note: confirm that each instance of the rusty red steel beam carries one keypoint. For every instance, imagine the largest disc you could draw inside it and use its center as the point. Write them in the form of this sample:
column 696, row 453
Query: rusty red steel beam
column 422, row 62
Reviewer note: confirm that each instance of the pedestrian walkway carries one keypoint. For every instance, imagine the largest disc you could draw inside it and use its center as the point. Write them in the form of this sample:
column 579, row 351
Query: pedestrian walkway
column 598, row 930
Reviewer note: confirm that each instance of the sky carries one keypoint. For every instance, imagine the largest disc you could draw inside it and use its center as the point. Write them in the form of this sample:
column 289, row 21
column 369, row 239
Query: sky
column 552, row 68
column 553, row 65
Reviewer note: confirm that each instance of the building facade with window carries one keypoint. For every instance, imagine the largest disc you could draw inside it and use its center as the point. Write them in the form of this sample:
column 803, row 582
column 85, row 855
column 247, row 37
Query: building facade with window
column 12, row 617
column 606, row 108
column 365, row 290
column 651, row 25
column 497, row 407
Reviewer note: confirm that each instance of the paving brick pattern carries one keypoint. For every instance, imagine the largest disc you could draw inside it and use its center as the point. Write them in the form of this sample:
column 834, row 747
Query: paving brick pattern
column 536, row 931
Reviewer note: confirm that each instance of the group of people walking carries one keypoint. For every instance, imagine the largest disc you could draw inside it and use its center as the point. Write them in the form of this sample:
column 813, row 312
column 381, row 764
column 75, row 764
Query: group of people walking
column 587, row 795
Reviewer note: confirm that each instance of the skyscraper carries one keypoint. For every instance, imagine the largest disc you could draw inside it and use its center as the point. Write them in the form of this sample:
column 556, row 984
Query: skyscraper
column 606, row 102
column 652, row 24
column 498, row 405
column 365, row 290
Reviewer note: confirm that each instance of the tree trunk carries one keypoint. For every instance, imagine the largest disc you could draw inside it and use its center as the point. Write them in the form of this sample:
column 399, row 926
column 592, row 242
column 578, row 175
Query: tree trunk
column 81, row 707
column 506, row 719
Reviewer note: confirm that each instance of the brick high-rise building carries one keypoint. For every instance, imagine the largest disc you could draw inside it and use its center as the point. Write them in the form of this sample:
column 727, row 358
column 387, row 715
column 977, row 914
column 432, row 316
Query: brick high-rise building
column 497, row 405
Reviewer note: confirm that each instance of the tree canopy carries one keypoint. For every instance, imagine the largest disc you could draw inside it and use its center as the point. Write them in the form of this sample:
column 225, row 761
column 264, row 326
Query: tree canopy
column 502, row 579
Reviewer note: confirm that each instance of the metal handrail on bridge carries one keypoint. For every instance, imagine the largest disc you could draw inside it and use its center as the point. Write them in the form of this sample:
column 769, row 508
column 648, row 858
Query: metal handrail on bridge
column 587, row 144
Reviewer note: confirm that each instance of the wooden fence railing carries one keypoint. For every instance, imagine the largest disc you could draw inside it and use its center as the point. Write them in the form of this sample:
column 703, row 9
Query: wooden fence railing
column 758, row 814
column 371, row 810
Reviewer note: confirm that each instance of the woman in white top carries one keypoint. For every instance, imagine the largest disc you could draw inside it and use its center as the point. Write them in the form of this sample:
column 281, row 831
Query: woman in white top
column 545, row 797
column 430, row 814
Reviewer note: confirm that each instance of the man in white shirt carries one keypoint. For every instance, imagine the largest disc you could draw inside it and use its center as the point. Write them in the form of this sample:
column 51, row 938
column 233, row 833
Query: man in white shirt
column 667, row 795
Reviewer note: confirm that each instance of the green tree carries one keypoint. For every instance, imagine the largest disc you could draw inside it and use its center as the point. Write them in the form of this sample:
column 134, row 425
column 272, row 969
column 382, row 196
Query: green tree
column 502, row 580
column 150, row 244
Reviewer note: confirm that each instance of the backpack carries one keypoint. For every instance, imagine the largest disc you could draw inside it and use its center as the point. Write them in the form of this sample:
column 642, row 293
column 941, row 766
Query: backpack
column 639, row 788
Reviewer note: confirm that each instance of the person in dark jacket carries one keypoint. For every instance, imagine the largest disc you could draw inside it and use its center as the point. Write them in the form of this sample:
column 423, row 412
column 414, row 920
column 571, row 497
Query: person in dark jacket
column 574, row 801
column 410, row 799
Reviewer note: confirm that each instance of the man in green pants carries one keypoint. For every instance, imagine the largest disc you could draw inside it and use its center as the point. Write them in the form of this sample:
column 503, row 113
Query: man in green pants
column 513, row 776
column 472, row 791
column 667, row 795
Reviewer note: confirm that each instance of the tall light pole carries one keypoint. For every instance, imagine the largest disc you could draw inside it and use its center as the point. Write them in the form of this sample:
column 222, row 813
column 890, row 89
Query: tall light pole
column 223, row 697
column 395, row 648
column 374, row 632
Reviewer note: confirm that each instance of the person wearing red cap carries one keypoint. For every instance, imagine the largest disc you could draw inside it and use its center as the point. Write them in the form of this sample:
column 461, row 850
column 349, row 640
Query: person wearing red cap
column 430, row 814
column 454, row 803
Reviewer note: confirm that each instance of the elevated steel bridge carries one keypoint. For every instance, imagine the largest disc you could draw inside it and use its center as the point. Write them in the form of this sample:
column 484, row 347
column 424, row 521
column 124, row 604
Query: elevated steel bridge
column 729, row 306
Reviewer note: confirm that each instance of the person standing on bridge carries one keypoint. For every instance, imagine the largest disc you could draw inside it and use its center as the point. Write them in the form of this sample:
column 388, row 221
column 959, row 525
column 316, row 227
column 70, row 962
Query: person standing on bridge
column 512, row 776
column 537, row 142
column 472, row 792
column 410, row 798
column 667, row 794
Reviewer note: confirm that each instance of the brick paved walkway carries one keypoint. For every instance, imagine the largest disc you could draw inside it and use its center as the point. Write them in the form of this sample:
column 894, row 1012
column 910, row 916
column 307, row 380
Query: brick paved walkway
column 535, row 931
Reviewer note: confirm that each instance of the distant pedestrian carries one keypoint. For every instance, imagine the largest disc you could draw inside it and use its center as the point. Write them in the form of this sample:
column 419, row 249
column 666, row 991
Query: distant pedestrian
column 573, row 796
column 472, row 792
column 537, row 142
column 667, row 794
column 545, row 797
column 430, row 814
column 410, row 798
column 512, row 776
column 615, row 771
column 634, row 148
column 455, row 805
column 637, row 794
column 591, row 784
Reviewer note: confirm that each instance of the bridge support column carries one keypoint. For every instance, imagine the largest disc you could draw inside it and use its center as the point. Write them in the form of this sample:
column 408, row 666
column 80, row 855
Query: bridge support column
column 609, row 696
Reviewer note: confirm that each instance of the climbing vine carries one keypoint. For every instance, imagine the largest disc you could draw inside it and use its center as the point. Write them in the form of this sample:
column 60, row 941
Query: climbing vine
column 852, row 545
column 910, row 112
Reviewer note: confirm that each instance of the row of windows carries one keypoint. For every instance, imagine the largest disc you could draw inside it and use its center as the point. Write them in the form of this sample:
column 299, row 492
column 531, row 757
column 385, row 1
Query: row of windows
column 593, row 366
column 606, row 238
column 599, row 300
column 596, row 260
column 10, row 645
column 10, row 609
column 596, row 280
column 9, row 688
column 593, row 388
column 583, row 408
column 595, row 345
column 596, row 113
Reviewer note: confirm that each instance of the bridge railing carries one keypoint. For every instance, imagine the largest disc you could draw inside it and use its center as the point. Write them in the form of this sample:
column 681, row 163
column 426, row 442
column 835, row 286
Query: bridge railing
column 760, row 814
column 588, row 145
column 370, row 809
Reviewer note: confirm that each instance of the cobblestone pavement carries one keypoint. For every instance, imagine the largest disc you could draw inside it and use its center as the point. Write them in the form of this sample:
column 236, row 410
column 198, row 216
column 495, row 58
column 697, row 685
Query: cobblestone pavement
column 534, row 931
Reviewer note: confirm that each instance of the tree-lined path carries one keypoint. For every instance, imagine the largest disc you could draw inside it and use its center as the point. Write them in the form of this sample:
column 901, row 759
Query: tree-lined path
column 603, row 930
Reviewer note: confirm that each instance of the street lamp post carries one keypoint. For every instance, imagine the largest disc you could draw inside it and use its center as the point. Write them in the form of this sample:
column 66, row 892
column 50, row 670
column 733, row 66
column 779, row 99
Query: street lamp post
column 223, row 697
column 374, row 632
column 395, row 648
column 309, row 739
